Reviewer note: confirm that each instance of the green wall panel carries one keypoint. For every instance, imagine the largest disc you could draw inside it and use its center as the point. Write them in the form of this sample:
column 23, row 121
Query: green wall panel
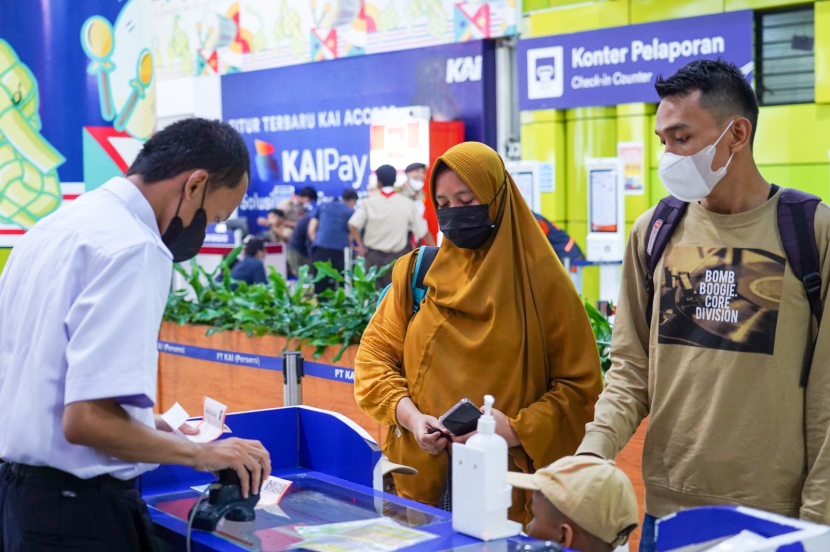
column 796, row 134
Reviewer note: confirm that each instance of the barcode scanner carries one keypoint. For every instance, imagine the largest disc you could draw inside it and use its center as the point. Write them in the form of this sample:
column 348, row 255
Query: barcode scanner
column 224, row 500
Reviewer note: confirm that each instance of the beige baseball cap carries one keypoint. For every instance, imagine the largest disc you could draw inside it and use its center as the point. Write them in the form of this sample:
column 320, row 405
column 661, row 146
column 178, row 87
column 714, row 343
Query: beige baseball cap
column 388, row 467
column 593, row 492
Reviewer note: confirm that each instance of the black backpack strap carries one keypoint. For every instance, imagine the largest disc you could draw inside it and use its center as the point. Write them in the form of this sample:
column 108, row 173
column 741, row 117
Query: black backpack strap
column 663, row 222
column 796, row 224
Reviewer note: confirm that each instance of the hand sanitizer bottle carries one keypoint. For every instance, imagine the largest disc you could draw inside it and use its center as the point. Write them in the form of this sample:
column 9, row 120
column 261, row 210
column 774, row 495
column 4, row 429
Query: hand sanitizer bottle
column 481, row 495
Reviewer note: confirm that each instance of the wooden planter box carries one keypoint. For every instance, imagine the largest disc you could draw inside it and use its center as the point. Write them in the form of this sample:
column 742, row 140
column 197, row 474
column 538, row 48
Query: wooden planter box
column 188, row 380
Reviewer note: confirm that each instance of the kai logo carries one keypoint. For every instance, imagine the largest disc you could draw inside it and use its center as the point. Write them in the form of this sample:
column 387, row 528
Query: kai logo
column 463, row 69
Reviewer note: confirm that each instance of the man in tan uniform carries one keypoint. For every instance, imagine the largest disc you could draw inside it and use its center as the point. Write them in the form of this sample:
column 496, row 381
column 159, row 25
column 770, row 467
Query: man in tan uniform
column 718, row 369
column 387, row 219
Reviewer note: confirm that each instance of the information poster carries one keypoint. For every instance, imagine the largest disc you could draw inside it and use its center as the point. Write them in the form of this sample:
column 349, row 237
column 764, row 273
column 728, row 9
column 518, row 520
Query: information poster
column 603, row 200
column 634, row 160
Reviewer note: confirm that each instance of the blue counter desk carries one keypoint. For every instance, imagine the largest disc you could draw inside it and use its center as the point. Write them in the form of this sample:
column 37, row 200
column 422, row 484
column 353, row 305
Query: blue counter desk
column 333, row 465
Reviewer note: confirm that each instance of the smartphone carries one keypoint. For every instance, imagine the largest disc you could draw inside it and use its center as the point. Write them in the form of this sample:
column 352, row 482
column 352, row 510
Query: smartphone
column 462, row 418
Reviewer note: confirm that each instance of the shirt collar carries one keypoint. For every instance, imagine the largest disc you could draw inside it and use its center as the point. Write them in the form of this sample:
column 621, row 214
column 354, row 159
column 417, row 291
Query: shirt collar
column 387, row 193
column 135, row 201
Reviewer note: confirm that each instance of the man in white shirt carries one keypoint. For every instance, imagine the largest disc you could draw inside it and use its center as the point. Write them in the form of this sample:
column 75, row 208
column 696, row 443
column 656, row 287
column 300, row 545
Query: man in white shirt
column 81, row 302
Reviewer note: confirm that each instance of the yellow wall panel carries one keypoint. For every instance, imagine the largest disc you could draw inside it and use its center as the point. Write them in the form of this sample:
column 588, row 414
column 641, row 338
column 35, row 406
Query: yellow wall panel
column 584, row 16
column 585, row 138
column 546, row 142
column 4, row 255
column 530, row 5
column 735, row 5
column 636, row 127
column 822, row 45
column 795, row 134
column 644, row 11
column 814, row 179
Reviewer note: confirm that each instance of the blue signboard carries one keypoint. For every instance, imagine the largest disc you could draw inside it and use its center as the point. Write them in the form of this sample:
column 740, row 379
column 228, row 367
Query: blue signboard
column 620, row 65
column 308, row 125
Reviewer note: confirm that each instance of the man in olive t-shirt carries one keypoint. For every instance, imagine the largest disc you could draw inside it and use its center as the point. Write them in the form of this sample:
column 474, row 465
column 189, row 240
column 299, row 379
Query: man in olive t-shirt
column 718, row 369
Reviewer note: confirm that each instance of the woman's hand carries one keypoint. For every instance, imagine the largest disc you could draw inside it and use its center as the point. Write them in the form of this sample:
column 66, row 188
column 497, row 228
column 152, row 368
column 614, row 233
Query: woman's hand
column 433, row 443
column 419, row 424
column 504, row 428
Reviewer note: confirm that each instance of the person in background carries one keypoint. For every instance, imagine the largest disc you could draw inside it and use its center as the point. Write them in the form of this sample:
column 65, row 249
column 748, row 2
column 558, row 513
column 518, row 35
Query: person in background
column 563, row 245
column 413, row 186
column 328, row 231
column 296, row 207
column 79, row 364
column 387, row 218
column 299, row 246
column 251, row 269
column 580, row 502
column 501, row 317
column 278, row 231
column 731, row 422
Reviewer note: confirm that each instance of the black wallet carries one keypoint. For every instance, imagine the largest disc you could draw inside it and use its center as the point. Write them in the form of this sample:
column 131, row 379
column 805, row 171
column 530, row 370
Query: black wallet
column 462, row 418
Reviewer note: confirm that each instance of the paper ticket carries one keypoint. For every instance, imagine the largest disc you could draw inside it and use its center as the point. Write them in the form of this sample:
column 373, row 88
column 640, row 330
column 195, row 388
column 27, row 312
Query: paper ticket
column 272, row 490
column 210, row 428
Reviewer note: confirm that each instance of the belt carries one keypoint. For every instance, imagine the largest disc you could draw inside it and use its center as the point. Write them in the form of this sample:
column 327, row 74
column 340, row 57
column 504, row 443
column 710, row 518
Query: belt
column 45, row 474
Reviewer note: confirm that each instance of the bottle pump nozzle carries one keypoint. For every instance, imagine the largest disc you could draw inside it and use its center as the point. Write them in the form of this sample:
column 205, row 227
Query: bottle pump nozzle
column 487, row 423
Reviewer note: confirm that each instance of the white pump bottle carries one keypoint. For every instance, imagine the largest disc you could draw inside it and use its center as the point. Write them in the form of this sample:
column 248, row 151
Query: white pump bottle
column 481, row 495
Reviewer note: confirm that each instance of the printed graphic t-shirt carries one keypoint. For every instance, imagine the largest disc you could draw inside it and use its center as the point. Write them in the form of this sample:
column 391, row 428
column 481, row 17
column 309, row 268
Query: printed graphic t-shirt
column 718, row 370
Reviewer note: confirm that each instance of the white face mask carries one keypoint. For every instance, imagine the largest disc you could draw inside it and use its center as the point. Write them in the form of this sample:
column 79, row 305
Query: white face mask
column 690, row 178
column 416, row 185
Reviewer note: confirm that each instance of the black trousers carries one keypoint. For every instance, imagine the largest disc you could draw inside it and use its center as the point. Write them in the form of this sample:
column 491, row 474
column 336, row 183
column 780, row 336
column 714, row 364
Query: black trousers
column 47, row 510
column 338, row 262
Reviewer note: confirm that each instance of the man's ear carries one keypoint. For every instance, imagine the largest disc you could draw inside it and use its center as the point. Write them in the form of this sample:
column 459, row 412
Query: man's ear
column 196, row 181
column 566, row 535
column 741, row 134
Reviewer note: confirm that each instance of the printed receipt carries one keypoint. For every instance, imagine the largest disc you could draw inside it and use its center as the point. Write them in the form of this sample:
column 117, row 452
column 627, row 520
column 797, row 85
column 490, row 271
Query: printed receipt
column 211, row 426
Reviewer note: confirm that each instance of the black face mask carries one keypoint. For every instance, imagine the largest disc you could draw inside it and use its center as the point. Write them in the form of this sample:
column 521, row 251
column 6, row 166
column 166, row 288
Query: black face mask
column 185, row 242
column 469, row 226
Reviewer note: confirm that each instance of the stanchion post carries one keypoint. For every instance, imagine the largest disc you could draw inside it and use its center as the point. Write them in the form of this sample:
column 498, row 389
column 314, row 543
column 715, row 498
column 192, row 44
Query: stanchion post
column 292, row 378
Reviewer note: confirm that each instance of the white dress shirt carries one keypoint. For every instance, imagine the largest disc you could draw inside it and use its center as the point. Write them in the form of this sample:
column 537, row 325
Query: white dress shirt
column 81, row 301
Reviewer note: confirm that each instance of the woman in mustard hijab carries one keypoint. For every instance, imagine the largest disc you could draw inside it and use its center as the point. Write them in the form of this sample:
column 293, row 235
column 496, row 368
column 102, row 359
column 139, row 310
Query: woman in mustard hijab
column 501, row 317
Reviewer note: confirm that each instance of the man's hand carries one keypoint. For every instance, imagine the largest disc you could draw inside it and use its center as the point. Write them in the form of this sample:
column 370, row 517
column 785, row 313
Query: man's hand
column 185, row 428
column 242, row 456
column 361, row 251
column 262, row 221
column 105, row 426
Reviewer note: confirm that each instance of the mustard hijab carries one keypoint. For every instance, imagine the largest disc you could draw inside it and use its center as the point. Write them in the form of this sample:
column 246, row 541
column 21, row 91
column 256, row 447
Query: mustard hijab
column 505, row 320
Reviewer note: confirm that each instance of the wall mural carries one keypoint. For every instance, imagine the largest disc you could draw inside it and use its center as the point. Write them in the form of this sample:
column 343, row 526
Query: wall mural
column 29, row 184
column 197, row 37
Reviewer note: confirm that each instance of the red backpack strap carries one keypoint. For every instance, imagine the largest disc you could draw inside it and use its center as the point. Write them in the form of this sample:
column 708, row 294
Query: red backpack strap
column 663, row 222
column 796, row 224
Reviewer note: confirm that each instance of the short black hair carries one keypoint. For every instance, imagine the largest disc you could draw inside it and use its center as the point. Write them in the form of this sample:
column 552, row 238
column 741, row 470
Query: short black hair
column 192, row 144
column 724, row 91
column 254, row 246
column 278, row 212
column 387, row 175
column 349, row 195
column 308, row 192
